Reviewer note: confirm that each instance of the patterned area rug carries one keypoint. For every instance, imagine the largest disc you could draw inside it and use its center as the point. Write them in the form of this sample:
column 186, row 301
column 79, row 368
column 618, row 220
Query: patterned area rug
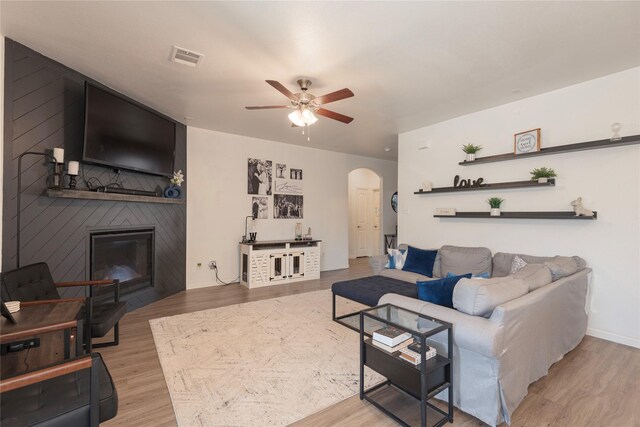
column 266, row 363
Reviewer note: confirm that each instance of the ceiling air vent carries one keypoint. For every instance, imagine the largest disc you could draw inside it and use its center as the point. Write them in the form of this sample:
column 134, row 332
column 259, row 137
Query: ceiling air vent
column 185, row 56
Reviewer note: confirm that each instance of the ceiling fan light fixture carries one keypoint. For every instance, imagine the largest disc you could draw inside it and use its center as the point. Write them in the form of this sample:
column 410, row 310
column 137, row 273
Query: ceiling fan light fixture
column 303, row 117
column 296, row 118
column 308, row 116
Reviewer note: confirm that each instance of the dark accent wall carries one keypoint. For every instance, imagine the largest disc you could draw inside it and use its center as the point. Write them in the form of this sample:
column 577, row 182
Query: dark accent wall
column 44, row 108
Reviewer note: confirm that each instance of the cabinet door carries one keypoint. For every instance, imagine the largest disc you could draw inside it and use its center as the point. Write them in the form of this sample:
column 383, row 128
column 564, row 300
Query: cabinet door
column 278, row 270
column 296, row 264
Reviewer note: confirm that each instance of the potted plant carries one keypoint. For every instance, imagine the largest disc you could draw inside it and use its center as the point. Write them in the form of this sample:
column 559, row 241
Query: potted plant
column 495, row 203
column 471, row 151
column 543, row 174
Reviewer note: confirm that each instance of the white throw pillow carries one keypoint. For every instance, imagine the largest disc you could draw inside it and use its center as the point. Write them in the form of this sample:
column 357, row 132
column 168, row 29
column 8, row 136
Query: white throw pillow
column 397, row 258
column 517, row 264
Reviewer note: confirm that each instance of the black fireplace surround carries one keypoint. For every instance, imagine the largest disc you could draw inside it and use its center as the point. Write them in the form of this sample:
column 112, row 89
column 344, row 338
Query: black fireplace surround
column 123, row 254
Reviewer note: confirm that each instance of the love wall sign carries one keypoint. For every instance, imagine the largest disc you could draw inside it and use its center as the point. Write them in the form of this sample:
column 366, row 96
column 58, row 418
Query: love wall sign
column 467, row 183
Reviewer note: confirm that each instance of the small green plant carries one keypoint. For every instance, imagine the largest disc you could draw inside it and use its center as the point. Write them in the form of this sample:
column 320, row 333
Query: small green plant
column 471, row 149
column 542, row 172
column 495, row 202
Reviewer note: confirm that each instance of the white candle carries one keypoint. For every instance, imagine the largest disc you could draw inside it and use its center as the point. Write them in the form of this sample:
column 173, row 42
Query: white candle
column 58, row 153
column 73, row 168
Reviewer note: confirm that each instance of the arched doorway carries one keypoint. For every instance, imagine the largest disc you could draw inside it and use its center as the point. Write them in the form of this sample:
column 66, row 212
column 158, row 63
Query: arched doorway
column 365, row 213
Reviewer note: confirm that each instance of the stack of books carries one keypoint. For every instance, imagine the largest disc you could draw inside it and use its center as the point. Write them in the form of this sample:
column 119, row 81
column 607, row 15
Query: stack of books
column 391, row 339
column 413, row 353
column 12, row 306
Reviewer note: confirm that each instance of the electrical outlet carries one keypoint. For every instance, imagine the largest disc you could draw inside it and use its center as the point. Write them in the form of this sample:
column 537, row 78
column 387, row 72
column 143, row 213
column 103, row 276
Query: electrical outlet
column 213, row 265
column 199, row 265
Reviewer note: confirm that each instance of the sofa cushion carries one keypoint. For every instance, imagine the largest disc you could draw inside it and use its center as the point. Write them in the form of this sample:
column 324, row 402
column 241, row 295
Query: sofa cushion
column 502, row 262
column 406, row 276
column 439, row 291
column 420, row 261
column 436, row 263
column 461, row 260
column 481, row 297
column 534, row 275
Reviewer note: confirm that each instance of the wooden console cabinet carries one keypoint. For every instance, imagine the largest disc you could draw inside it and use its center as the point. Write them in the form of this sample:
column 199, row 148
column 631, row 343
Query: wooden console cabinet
column 279, row 261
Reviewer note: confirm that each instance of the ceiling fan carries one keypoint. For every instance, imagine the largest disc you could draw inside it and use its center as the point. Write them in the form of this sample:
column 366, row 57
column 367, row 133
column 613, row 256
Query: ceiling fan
column 306, row 105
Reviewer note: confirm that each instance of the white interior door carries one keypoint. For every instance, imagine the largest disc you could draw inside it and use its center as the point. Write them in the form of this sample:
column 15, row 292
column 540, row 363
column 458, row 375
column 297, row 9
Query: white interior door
column 362, row 222
column 376, row 238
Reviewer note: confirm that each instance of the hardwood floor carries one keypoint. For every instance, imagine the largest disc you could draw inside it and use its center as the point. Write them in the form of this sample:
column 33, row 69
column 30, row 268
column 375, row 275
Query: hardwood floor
column 597, row 384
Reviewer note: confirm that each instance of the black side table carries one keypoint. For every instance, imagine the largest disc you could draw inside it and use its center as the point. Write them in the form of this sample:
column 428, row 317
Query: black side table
column 424, row 381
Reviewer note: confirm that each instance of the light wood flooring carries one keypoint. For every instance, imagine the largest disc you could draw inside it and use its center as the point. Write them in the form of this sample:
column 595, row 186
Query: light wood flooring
column 597, row 384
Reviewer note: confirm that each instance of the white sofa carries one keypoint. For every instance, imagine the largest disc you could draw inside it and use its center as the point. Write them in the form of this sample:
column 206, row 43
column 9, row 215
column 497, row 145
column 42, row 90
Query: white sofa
column 496, row 357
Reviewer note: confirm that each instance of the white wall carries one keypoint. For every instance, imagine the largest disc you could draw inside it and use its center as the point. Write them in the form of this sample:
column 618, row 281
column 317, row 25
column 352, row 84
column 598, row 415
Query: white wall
column 607, row 179
column 365, row 178
column 218, row 201
column 1, row 132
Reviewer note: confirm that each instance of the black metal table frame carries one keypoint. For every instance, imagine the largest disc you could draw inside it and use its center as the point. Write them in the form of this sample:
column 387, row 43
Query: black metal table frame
column 338, row 319
column 424, row 395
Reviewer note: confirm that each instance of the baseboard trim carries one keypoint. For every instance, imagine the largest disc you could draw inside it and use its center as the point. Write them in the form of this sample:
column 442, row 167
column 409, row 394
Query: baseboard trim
column 610, row 336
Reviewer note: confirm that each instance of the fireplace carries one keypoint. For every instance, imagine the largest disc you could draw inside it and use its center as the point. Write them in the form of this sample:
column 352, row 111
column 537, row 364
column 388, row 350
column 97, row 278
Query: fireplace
column 123, row 254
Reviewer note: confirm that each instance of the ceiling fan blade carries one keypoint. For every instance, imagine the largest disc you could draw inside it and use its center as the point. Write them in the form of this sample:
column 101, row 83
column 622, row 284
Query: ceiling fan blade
column 333, row 115
column 283, row 90
column 267, row 107
column 334, row 96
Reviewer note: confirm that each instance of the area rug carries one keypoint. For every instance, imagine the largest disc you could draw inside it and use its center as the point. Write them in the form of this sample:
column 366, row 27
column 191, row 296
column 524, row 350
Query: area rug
column 266, row 363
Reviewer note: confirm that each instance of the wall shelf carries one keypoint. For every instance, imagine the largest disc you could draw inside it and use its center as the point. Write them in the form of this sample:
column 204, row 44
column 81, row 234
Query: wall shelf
column 94, row 195
column 580, row 146
column 496, row 186
column 521, row 215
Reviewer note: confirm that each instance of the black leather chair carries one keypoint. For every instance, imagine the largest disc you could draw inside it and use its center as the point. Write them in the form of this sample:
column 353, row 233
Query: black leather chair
column 34, row 283
column 79, row 392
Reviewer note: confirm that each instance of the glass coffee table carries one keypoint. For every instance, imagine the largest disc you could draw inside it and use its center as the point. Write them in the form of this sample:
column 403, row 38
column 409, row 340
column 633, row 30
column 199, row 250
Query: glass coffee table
column 421, row 382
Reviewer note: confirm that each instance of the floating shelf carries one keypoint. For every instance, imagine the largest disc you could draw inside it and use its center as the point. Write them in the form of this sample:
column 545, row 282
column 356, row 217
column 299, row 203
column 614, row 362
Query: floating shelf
column 496, row 186
column 94, row 195
column 580, row 146
column 521, row 215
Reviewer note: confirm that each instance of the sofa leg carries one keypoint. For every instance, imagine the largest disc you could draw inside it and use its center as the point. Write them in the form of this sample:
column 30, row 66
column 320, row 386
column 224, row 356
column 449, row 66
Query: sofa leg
column 334, row 307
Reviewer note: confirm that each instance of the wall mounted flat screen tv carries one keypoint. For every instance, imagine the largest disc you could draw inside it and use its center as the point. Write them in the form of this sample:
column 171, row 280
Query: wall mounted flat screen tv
column 121, row 134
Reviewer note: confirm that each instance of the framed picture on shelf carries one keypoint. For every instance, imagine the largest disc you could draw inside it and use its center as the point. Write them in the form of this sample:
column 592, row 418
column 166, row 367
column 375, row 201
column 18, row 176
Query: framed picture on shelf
column 526, row 142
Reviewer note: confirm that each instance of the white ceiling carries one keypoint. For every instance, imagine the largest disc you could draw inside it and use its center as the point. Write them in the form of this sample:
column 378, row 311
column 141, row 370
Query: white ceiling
column 410, row 64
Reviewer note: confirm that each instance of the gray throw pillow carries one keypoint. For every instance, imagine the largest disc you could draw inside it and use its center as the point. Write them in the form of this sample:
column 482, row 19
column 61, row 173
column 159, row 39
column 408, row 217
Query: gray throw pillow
column 502, row 262
column 534, row 275
column 462, row 260
column 563, row 266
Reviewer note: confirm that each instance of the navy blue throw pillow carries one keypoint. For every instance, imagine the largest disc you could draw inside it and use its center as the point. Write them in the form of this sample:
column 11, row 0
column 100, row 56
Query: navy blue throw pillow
column 420, row 261
column 439, row 291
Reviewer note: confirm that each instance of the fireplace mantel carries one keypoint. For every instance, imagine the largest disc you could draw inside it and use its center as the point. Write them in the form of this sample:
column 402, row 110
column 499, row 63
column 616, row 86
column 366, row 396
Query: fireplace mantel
column 94, row 195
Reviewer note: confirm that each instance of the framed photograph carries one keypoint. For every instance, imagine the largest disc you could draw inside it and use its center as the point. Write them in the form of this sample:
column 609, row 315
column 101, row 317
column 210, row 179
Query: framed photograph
column 287, row 206
column 526, row 142
column 259, row 177
column 260, row 207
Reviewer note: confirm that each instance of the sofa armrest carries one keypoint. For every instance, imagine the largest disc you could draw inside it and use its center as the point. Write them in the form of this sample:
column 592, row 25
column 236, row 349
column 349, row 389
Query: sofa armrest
column 377, row 263
column 472, row 333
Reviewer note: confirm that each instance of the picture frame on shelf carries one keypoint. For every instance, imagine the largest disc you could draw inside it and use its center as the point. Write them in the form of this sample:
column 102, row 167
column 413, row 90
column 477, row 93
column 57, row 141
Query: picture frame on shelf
column 526, row 142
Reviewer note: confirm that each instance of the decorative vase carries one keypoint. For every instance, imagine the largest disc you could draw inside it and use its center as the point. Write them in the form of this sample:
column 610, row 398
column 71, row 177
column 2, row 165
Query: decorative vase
column 495, row 212
column 543, row 180
column 173, row 192
column 471, row 157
